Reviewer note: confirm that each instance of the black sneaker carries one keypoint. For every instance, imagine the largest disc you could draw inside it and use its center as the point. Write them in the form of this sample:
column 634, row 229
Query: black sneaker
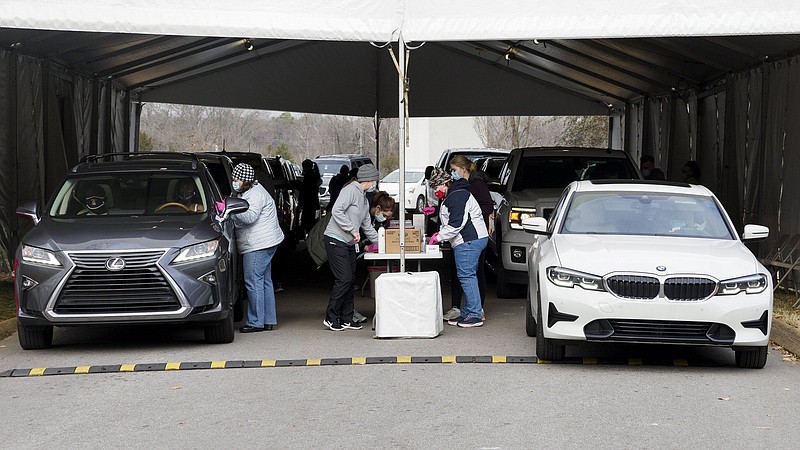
column 455, row 321
column 470, row 322
column 336, row 327
column 326, row 323
column 351, row 326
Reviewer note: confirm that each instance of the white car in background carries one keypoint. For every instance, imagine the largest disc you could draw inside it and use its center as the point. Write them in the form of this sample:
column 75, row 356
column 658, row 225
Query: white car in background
column 646, row 262
column 415, row 188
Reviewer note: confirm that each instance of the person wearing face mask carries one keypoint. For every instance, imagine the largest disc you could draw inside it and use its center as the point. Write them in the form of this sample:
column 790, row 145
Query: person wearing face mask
column 258, row 236
column 350, row 216
column 462, row 225
column 95, row 202
column 382, row 210
column 649, row 169
column 462, row 167
column 186, row 195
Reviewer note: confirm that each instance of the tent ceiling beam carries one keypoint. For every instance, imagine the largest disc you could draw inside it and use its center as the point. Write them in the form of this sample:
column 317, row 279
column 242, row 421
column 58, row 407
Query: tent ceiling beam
column 639, row 54
column 168, row 56
column 557, row 75
column 143, row 44
column 579, row 69
column 615, row 68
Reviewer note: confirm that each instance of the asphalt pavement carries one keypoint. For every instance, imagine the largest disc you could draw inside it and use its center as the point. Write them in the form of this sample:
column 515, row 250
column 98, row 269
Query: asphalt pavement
column 349, row 389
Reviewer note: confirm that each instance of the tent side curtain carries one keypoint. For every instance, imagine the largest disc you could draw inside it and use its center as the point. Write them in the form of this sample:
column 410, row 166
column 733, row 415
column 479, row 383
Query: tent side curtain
column 7, row 162
column 417, row 20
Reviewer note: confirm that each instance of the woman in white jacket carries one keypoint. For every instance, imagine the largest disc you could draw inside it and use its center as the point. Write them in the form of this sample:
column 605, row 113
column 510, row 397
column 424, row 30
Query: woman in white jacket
column 258, row 236
column 463, row 226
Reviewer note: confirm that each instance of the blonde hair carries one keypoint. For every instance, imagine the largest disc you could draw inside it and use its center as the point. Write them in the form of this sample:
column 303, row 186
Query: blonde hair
column 462, row 162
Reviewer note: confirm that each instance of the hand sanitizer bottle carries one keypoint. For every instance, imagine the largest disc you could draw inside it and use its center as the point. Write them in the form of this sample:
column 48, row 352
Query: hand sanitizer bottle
column 381, row 240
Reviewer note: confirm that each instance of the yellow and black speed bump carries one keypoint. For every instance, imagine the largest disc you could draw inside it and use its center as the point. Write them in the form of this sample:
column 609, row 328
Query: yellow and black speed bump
column 238, row 364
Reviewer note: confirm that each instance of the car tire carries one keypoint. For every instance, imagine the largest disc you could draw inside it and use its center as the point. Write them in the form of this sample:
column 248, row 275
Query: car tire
column 220, row 332
column 530, row 322
column 34, row 338
column 420, row 204
column 752, row 358
column 546, row 349
column 504, row 288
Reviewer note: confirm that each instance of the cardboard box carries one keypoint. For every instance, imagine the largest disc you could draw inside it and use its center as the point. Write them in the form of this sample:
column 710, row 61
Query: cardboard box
column 412, row 244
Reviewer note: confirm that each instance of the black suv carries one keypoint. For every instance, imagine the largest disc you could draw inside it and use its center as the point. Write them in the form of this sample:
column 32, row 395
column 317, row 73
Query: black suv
column 129, row 239
column 329, row 166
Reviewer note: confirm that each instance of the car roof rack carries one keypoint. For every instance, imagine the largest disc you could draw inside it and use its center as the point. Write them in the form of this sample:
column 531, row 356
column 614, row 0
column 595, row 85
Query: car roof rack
column 90, row 159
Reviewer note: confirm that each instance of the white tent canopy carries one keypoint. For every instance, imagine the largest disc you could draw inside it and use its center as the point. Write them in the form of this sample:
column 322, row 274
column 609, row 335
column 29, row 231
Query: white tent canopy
column 418, row 20
column 712, row 80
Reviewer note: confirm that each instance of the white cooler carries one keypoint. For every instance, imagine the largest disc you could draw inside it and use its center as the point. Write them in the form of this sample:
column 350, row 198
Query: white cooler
column 408, row 304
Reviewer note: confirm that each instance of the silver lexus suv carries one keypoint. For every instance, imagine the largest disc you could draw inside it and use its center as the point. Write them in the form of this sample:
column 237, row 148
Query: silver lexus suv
column 532, row 180
column 129, row 239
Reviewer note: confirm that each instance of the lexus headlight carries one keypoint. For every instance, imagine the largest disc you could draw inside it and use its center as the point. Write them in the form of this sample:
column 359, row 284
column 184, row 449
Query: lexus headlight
column 196, row 252
column 751, row 284
column 571, row 278
column 35, row 255
column 517, row 215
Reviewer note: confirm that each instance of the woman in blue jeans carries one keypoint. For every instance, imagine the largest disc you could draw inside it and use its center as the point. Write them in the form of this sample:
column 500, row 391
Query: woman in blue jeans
column 258, row 236
column 462, row 225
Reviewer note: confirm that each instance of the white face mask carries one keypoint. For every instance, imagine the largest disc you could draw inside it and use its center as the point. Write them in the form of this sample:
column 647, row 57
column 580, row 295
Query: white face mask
column 380, row 218
column 237, row 186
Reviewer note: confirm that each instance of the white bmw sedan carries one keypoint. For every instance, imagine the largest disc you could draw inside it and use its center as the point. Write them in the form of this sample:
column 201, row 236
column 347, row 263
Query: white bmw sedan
column 646, row 262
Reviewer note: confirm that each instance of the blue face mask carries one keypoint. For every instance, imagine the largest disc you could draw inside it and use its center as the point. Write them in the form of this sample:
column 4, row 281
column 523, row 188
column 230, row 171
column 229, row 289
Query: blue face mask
column 380, row 218
column 455, row 175
column 237, row 186
column 371, row 188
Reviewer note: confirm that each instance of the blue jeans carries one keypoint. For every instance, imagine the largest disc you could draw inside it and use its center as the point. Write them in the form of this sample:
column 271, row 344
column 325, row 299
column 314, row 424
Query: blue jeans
column 258, row 282
column 467, row 256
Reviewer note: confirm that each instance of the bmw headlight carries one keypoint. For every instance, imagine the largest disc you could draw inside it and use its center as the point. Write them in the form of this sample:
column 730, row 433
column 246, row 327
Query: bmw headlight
column 751, row 284
column 563, row 277
column 196, row 252
column 35, row 255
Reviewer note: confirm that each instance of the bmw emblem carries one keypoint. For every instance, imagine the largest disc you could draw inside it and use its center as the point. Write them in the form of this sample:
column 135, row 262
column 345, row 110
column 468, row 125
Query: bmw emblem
column 115, row 264
column 661, row 268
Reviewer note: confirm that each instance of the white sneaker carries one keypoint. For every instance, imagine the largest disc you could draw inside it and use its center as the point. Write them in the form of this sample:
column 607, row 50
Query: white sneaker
column 454, row 313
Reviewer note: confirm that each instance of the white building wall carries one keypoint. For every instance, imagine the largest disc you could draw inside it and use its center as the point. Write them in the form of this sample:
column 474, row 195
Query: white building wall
column 430, row 136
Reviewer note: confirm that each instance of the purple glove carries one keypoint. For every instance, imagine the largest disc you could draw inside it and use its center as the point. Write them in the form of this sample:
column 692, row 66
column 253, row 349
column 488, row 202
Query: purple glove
column 428, row 210
column 434, row 239
column 372, row 248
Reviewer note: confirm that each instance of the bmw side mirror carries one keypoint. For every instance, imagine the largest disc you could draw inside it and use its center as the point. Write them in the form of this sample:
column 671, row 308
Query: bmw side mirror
column 535, row 225
column 234, row 206
column 29, row 210
column 754, row 233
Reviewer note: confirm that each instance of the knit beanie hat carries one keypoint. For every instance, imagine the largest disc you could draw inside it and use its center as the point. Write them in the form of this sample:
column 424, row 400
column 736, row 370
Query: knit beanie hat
column 244, row 172
column 368, row 172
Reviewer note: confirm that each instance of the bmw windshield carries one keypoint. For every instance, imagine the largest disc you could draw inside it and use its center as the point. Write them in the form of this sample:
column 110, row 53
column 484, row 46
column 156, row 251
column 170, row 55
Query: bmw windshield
column 645, row 214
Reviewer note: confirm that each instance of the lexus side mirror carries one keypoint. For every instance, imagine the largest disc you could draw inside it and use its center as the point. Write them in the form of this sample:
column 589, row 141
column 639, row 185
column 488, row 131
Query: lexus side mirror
column 29, row 210
column 234, row 206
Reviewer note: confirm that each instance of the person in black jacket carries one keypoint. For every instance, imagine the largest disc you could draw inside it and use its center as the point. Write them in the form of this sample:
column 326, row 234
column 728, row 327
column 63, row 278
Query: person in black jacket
column 462, row 167
column 336, row 184
column 309, row 195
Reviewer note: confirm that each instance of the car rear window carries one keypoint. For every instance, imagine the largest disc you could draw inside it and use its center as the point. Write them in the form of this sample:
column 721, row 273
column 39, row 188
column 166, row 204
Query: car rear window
column 542, row 172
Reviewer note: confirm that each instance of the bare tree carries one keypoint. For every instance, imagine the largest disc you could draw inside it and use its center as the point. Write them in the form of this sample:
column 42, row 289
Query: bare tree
column 533, row 131
column 169, row 127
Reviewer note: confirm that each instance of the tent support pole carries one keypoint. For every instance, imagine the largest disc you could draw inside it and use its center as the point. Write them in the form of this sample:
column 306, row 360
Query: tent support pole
column 401, row 49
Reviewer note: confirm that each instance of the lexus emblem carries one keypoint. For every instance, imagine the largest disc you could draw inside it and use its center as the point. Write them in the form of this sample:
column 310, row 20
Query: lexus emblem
column 661, row 268
column 115, row 264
